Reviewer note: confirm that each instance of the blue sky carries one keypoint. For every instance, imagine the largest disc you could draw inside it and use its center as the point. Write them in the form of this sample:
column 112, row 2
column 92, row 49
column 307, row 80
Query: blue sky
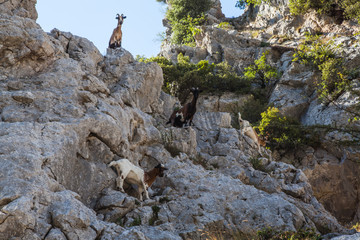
column 95, row 20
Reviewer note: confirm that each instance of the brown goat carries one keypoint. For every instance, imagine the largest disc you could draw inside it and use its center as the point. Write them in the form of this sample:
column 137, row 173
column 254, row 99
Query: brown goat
column 184, row 116
column 151, row 175
column 115, row 40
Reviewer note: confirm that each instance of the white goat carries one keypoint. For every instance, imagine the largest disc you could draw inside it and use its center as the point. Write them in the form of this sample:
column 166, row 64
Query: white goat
column 135, row 175
column 132, row 174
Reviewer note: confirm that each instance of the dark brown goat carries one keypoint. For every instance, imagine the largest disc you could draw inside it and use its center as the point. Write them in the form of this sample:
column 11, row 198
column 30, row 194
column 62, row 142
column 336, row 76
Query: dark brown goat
column 184, row 116
column 115, row 40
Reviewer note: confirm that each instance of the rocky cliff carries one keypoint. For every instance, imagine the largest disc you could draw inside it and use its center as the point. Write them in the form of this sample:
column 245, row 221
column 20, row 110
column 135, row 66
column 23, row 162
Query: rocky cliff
column 67, row 111
column 331, row 168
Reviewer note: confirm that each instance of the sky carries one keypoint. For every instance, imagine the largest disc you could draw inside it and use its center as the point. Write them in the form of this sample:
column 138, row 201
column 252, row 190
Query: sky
column 95, row 20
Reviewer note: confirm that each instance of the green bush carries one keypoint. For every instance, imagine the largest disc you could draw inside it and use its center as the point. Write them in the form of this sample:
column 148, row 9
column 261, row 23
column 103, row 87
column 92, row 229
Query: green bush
column 260, row 72
column 351, row 8
column 282, row 132
column 210, row 77
column 348, row 8
column 298, row 7
column 257, row 164
column 184, row 16
column 225, row 25
column 325, row 58
column 155, row 215
column 242, row 3
column 185, row 29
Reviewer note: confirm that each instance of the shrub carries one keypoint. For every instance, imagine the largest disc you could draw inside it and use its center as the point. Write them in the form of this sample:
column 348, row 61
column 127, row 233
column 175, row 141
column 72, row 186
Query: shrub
column 242, row 3
column 155, row 215
column 184, row 16
column 261, row 73
column 257, row 164
column 351, row 8
column 225, row 25
column 136, row 222
column 332, row 82
column 252, row 109
column 324, row 57
column 210, row 77
column 284, row 133
column 184, row 30
column 348, row 8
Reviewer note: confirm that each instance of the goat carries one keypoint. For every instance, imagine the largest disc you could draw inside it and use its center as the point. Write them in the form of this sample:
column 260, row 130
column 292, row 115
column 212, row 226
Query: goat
column 247, row 129
column 115, row 40
column 135, row 175
column 184, row 116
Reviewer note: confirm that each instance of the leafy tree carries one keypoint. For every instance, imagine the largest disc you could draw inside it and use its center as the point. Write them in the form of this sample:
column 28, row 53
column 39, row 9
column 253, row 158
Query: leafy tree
column 184, row 16
column 210, row 77
column 185, row 29
column 261, row 72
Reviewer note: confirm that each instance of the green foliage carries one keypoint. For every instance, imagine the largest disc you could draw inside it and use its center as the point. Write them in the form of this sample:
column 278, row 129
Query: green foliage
column 332, row 82
column 225, row 25
column 298, row 7
column 136, row 222
column 185, row 29
column 155, row 215
column 180, row 9
column 314, row 51
column 284, row 133
column 327, row 59
column 257, row 164
column 350, row 8
column 242, row 3
column 271, row 234
column 261, row 73
column 324, row 57
column 184, row 17
column 252, row 109
column 210, row 77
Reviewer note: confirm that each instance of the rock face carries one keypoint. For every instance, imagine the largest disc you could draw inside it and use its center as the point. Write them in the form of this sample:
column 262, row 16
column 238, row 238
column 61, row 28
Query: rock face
column 67, row 111
column 270, row 27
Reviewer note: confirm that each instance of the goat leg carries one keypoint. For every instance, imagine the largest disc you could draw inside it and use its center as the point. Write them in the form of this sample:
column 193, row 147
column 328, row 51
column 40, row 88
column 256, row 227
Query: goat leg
column 120, row 183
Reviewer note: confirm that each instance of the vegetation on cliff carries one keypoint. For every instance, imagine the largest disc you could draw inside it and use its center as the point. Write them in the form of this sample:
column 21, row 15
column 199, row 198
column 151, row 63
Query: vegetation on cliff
column 345, row 8
column 210, row 77
column 184, row 16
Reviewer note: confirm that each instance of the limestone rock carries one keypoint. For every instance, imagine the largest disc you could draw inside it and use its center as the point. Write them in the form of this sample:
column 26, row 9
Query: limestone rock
column 67, row 112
